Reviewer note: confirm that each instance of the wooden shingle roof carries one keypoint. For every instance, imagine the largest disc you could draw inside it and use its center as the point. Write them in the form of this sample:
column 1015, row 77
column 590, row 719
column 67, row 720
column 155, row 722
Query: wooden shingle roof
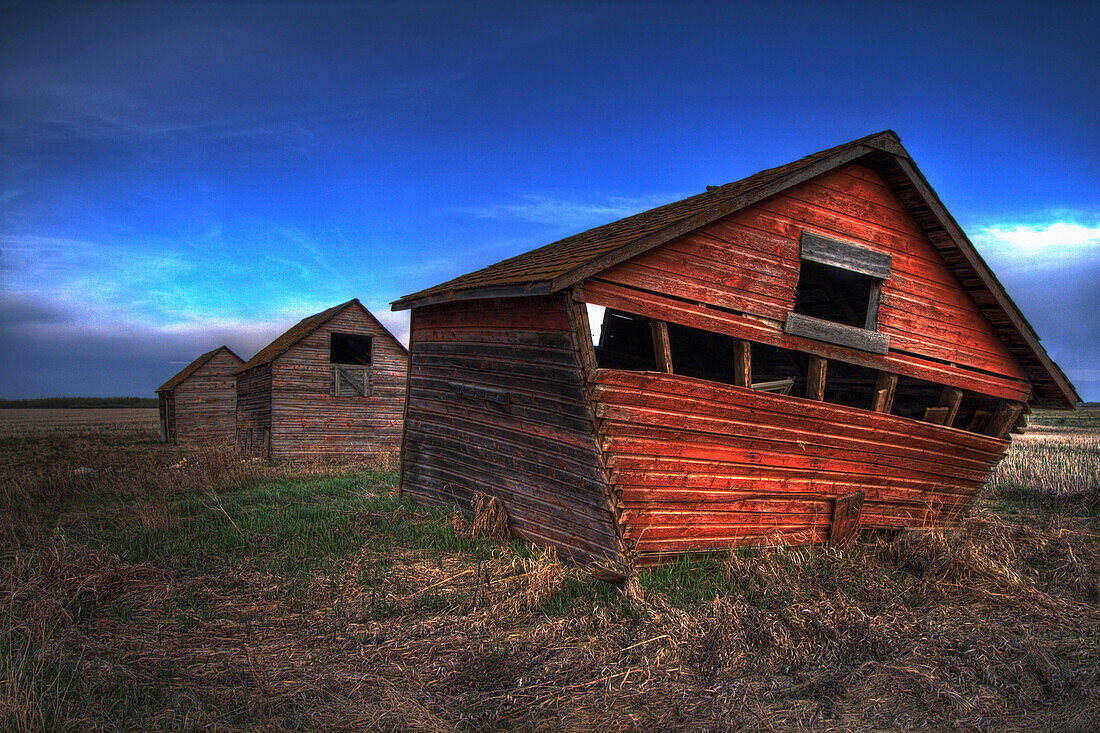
column 538, row 269
column 193, row 367
column 566, row 262
column 305, row 327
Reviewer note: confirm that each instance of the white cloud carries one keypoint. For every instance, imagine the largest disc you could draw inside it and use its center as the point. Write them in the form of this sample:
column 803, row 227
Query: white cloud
column 573, row 214
column 1051, row 243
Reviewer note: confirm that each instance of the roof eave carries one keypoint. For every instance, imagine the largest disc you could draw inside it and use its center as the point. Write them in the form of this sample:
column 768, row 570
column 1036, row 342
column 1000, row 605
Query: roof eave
column 985, row 274
column 544, row 287
column 336, row 310
column 198, row 363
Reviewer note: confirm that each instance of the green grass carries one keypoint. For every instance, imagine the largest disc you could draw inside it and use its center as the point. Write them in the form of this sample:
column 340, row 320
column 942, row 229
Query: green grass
column 299, row 528
column 286, row 525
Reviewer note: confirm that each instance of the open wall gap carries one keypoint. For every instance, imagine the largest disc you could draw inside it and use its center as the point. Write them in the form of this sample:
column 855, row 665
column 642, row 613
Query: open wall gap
column 626, row 342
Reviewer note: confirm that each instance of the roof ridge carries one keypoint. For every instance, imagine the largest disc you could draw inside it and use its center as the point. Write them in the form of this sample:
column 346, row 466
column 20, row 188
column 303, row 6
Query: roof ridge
column 198, row 363
column 293, row 335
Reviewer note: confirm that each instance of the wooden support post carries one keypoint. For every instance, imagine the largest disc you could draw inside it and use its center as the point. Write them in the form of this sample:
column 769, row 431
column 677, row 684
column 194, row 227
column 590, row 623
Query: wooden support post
column 662, row 350
column 742, row 363
column 951, row 398
column 885, row 385
column 871, row 322
column 847, row 511
column 1022, row 420
column 979, row 421
column 1004, row 418
column 583, row 331
column 405, row 406
column 815, row 380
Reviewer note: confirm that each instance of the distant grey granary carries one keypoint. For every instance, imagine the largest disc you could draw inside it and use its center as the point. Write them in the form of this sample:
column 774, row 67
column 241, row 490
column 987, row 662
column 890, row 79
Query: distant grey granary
column 332, row 386
column 197, row 404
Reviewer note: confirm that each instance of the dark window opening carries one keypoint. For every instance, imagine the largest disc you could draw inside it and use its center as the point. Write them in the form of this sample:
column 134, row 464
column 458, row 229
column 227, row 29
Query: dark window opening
column 349, row 348
column 975, row 411
column 626, row 342
column 913, row 396
column 702, row 354
column 772, row 365
column 850, row 384
column 834, row 294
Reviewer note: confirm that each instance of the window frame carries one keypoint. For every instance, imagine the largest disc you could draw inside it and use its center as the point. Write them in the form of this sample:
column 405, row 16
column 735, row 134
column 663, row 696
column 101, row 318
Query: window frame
column 333, row 338
column 852, row 258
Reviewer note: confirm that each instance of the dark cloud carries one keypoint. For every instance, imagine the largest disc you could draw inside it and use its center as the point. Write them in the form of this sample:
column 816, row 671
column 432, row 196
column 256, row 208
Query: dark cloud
column 47, row 353
column 23, row 313
column 1061, row 306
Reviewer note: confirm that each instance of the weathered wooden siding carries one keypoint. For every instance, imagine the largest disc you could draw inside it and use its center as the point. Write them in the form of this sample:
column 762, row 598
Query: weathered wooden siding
column 698, row 465
column 308, row 421
column 201, row 408
column 253, row 408
column 738, row 276
column 497, row 405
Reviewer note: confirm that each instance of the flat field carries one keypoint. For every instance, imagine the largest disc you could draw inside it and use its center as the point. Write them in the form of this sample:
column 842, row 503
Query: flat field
column 62, row 421
column 149, row 587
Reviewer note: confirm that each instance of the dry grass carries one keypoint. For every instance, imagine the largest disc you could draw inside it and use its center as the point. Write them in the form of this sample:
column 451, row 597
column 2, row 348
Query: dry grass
column 1059, row 469
column 307, row 601
column 21, row 422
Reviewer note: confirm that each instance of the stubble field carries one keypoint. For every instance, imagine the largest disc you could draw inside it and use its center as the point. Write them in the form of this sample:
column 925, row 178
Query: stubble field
column 149, row 587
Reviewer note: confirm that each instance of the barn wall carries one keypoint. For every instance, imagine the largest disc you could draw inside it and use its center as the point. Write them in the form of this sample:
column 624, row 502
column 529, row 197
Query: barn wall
column 695, row 464
column 167, row 412
column 747, row 264
column 202, row 407
column 253, row 409
column 308, row 421
column 497, row 405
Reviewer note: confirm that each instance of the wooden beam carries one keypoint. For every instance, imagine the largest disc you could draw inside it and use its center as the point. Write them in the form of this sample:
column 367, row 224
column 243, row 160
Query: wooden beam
column 775, row 386
column 935, row 415
column 885, row 385
column 815, row 379
column 846, row 255
column 742, row 363
column 405, row 405
column 1004, row 418
column 836, row 333
column 847, row 511
column 951, row 398
column 1022, row 421
column 662, row 349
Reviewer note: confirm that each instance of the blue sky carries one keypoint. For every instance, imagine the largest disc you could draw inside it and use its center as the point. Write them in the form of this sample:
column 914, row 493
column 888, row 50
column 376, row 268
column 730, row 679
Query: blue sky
column 181, row 175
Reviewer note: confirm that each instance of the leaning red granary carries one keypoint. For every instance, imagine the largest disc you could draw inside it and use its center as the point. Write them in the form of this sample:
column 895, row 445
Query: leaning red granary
column 196, row 405
column 811, row 351
column 333, row 386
